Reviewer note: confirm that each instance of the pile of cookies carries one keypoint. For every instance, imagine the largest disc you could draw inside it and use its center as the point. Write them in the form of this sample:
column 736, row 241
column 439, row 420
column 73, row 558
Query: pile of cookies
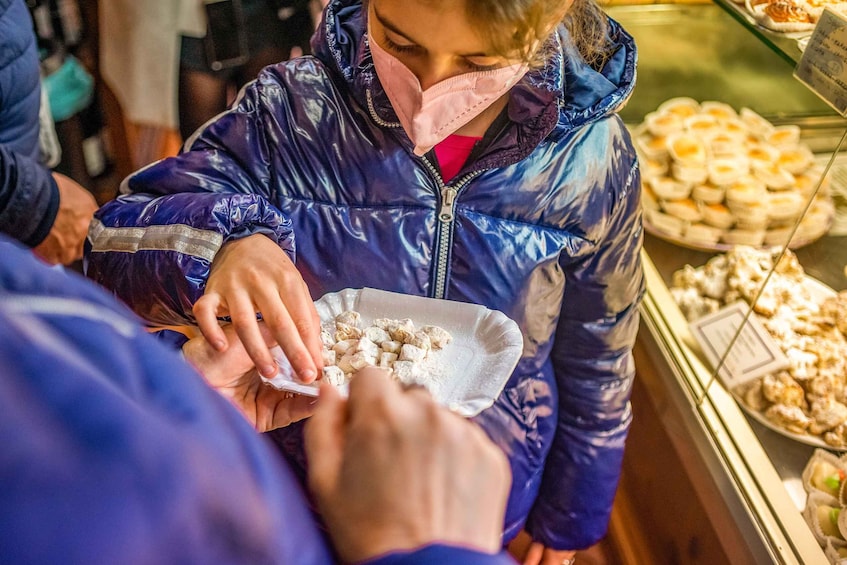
column 713, row 177
column 810, row 396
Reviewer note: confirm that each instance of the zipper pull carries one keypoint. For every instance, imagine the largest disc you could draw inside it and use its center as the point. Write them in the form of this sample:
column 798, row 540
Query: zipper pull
column 448, row 197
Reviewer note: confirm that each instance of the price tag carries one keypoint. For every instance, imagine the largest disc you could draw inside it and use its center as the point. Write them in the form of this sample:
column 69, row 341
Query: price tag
column 823, row 67
column 754, row 354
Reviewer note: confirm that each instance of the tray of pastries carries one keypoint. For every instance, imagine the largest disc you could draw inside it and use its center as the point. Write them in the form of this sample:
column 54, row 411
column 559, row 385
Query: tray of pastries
column 807, row 401
column 713, row 177
column 792, row 17
column 825, row 483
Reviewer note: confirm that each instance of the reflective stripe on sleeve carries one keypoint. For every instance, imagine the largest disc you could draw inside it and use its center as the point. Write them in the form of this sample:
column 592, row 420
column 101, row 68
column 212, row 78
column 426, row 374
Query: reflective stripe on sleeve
column 171, row 237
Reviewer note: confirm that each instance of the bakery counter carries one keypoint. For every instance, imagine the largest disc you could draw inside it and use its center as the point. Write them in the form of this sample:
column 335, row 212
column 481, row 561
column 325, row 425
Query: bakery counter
column 752, row 483
column 744, row 475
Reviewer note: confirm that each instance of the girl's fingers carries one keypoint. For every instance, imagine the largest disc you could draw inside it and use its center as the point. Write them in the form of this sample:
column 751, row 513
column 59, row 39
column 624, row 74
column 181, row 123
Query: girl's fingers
column 206, row 313
column 243, row 315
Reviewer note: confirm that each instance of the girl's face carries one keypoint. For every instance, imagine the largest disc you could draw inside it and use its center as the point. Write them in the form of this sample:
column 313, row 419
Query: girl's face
column 434, row 39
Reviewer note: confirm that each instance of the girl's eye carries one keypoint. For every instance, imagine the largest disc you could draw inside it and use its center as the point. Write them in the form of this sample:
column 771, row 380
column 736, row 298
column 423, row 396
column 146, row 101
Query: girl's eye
column 470, row 65
column 397, row 48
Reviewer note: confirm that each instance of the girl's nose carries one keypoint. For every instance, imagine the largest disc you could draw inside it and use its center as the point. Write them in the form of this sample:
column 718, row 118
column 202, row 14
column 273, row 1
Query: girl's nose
column 434, row 70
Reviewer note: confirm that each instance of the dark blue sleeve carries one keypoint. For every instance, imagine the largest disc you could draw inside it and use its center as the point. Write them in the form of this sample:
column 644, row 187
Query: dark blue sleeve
column 443, row 555
column 29, row 198
column 115, row 451
column 20, row 82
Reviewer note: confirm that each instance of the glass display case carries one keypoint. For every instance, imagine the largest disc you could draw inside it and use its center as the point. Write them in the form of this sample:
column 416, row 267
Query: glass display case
column 753, row 470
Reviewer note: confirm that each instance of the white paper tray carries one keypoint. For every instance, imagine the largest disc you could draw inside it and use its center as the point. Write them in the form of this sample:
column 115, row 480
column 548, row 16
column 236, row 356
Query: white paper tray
column 466, row 376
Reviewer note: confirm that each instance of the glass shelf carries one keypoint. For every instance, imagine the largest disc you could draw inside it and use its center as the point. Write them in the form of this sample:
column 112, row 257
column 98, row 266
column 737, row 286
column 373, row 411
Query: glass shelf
column 699, row 50
column 784, row 45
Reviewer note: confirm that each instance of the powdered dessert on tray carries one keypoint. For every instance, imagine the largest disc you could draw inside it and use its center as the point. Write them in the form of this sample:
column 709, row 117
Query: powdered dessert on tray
column 397, row 345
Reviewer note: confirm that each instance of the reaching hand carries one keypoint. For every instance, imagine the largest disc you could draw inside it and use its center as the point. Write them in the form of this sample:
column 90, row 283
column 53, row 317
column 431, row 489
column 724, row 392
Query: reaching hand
column 63, row 245
column 232, row 373
column 253, row 275
column 391, row 470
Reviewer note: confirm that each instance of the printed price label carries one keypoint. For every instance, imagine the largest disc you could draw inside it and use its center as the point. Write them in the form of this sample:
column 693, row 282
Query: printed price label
column 823, row 67
column 754, row 354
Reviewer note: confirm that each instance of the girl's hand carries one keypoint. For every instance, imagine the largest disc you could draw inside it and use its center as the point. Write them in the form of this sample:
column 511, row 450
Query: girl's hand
column 537, row 554
column 231, row 372
column 253, row 276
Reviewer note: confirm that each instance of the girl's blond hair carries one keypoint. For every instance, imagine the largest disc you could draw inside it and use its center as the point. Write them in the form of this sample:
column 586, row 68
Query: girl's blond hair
column 518, row 26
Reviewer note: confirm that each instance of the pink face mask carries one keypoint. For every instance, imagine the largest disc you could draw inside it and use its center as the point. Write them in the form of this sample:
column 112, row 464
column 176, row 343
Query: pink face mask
column 430, row 116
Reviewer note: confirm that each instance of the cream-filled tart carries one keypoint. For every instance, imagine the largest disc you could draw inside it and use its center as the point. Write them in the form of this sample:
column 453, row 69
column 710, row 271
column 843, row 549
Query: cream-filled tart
column 756, row 124
column 717, row 215
column 668, row 188
column 652, row 146
column 745, row 189
column 704, row 126
column 703, row 234
column 661, row 124
column 783, row 137
column 762, row 154
column 796, row 159
column 684, row 209
column 726, row 170
column 753, row 238
column 681, row 106
column 670, row 225
column 687, row 149
column 708, row 193
column 721, row 111
column 774, row 176
column 691, row 174
column 785, row 205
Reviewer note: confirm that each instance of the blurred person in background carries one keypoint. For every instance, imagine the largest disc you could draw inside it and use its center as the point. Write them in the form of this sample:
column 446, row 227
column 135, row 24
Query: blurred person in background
column 253, row 35
column 158, row 60
column 46, row 211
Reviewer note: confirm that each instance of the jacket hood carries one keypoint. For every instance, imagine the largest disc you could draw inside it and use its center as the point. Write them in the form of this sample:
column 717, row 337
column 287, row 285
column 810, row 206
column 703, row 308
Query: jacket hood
column 565, row 93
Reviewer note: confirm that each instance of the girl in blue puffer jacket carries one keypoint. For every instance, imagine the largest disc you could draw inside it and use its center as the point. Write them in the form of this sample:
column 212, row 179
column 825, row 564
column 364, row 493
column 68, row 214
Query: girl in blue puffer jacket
column 460, row 150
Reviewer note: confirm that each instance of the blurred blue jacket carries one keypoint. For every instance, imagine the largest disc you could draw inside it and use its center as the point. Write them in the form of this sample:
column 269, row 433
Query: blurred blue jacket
column 29, row 197
column 543, row 223
column 116, row 451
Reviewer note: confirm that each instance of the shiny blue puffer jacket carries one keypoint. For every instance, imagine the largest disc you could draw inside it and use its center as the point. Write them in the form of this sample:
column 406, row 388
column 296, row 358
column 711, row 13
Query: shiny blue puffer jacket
column 542, row 224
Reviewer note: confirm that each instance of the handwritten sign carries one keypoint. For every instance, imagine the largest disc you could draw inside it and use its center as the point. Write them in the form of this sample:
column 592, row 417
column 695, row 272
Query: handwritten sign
column 753, row 354
column 823, row 67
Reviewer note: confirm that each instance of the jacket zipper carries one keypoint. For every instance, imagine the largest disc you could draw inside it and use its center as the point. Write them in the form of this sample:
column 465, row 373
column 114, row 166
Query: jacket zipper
column 449, row 194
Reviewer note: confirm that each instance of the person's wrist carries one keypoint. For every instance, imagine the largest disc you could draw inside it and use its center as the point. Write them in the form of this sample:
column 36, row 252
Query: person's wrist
column 366, row 542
